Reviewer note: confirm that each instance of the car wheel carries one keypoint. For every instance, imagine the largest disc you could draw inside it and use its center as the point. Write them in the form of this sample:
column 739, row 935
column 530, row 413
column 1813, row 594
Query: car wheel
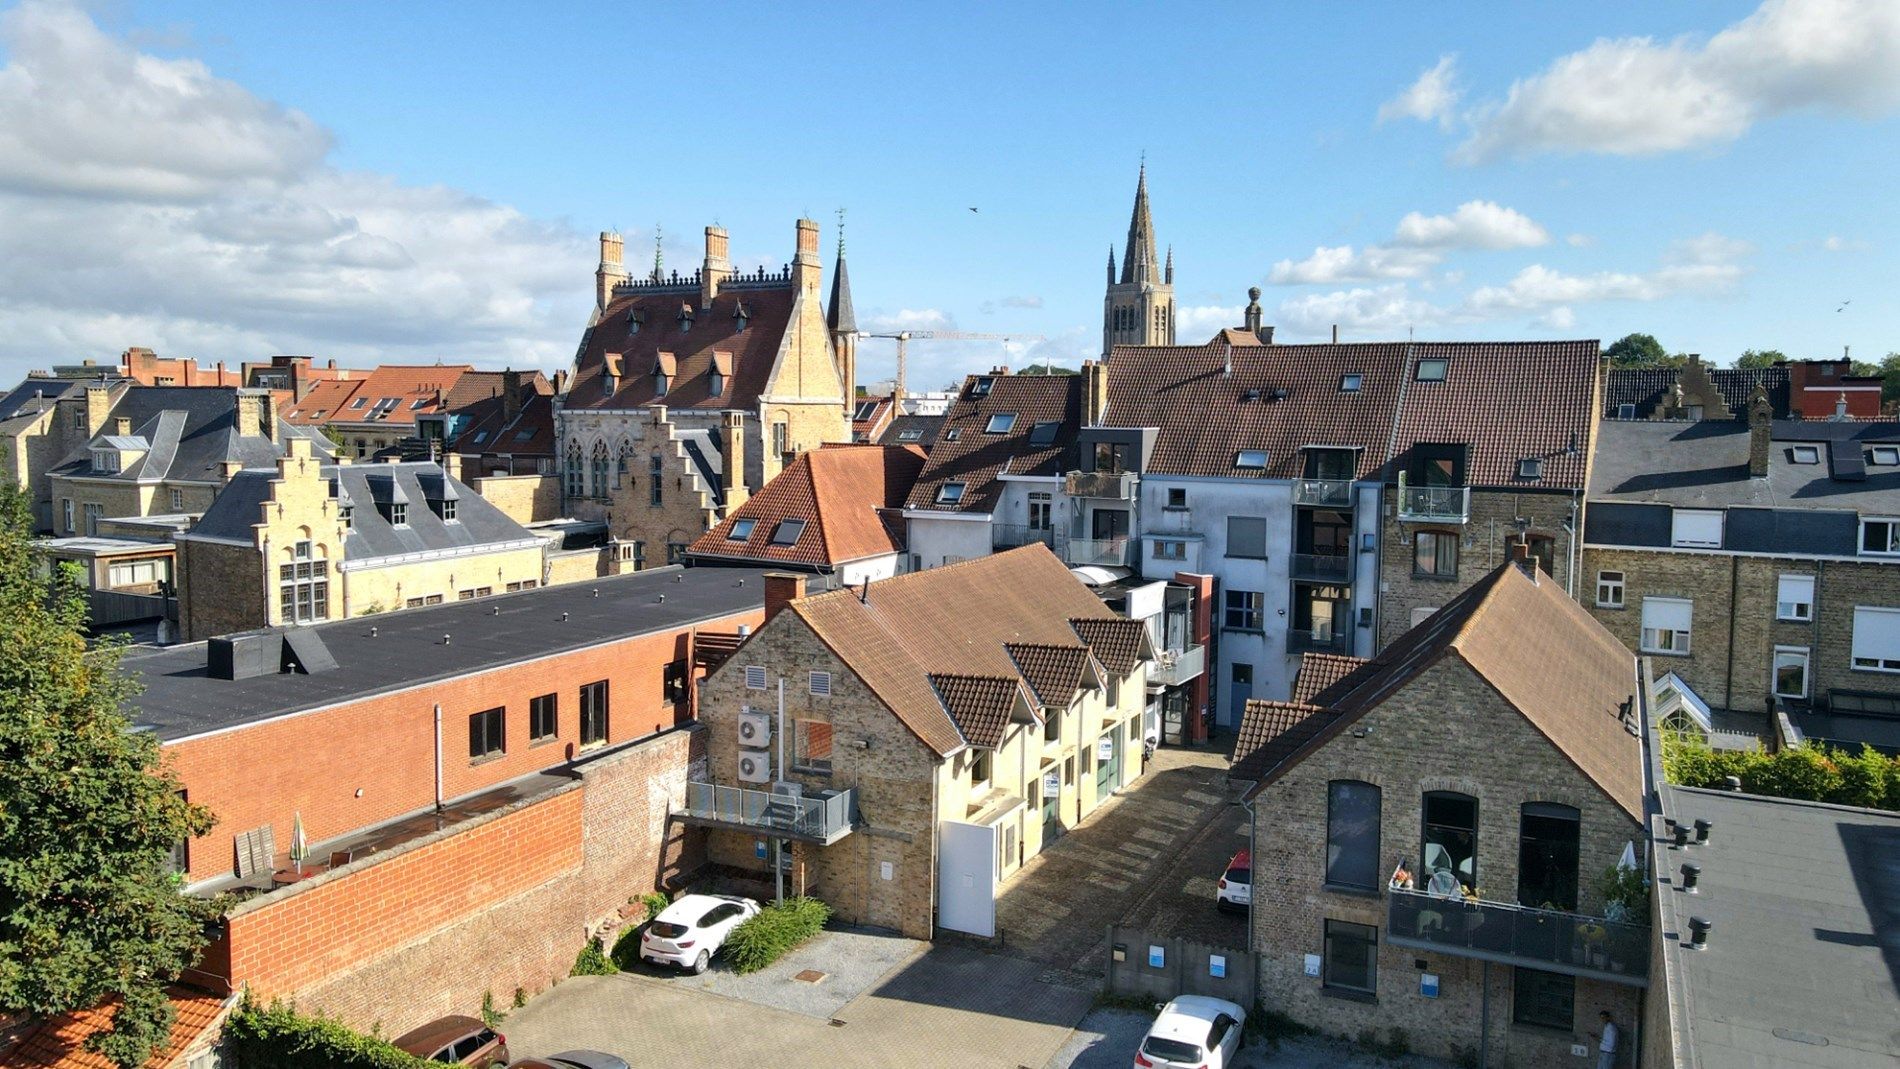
column 700, row 963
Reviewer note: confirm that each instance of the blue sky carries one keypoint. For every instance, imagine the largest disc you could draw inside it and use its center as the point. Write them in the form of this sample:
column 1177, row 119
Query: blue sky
column 407, row 182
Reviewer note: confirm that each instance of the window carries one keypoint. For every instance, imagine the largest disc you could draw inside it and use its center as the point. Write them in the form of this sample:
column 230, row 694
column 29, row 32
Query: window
column 715, row 382
column 1530, row 468
column 1177, row 497
column 811, row 745
column 398, row 514
column 655, row 481
column 1435, row 553
column 1247, row 537
column 1876, row 639
column 1000, row 423
column 79, row 419
column 594, row 713
column 347, row 513
column 819, row 683
column 1044, row 432
column 953, row 434
column 787, row 532
column 1609, row 590
column 447, row 510
column 1245, row 610
column 1352, row 957
column 303, row 587
column 1794, row 598
column 359, row 402
column 676, row 553
column 1696, row 528
column 1543, row 999
column 755, row 677
column 673, row 682
column 1666, row 625
column 178, row 500
column 1880, row 536
column 136, row 573
column 982, row 762
column 741, row 530
column 485, row 731
column 1791, row 672
column 66, row 514
column 1351, row 383
column 94, row 512
column 781, row 438
column 949, row 493
column 1626, row 411
column 981, row 387
column 105, row 460
column 910, row 434
column 1450, row 842
column 576, row 475
column 1431, row 370
column 522, row 584
column 1041, row 510
column 544, row 717
column 1251, row 458
column 1885, row 454
column 1170, row 549
column 1547, row 856
column 1352, row 835
column 1805, row 454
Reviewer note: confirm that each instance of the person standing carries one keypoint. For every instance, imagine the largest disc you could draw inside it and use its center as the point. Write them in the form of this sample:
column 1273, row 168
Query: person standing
column 1606, row 1047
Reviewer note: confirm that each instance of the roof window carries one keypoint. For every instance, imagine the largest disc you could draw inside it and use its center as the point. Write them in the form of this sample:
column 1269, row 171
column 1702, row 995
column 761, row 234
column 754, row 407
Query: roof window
column 418, row 404
column 1805, row 454
column 1001, row 423
column 1885, row 454
column 1251, row 458
column 741, row 530
column 1351, row 383
column 910, row 434
column 1431, row 370
column 787, row 532
column 1044, row 432
column 864, row 411
column 949, row 493
column 981, row 387
column 359, row 402
column 1530, row 468
column 953, row 434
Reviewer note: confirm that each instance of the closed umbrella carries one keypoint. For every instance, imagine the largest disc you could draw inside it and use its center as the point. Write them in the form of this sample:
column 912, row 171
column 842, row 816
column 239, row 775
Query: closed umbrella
column 299, row 845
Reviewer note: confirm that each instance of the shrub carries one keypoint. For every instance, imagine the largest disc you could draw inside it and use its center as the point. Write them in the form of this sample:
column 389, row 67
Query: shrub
column 655, row 902
column 778, row 928
column 1275, row 1025
column 592, row 961
column 491, row 1016
column 626, row 952
column 1815, row 772
column 280, row 1037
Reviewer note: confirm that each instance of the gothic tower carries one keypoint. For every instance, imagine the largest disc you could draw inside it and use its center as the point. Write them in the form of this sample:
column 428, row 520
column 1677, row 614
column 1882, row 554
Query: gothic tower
column 1139, row 309
column 842, row 322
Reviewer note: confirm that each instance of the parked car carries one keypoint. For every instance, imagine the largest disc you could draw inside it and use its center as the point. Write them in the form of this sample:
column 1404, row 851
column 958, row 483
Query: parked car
column 457, row 1040
column 1235, row 891
column 1193, row 1032
column 689, row 932
column 573, row 1059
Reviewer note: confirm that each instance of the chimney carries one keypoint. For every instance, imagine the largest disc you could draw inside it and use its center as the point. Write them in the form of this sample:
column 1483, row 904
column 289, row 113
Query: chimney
column 733, row 441
column 781, row 589
column 560, row 383
column 1252, row 322
column 1521, row 556
column 121, row 425
column 1760, row 432
column 1094, row 391
column 253, row 408
column 612, row 269
column 1335, row 334
column 98, row 406
column 806, row 270
column 1266, row 335
column 510, row 395
column 717, row 267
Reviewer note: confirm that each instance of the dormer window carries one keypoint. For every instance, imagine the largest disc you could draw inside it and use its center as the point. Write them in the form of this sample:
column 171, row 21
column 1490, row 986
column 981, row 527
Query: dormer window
column 981, row 387
column 1805, row 454
column 1351, row 383
column 721, row 371
column 446, row 509
column 741, row 530
column 686, row 318
column 398, row 514
column 1001, row 423
column 660, row 383
column 1432, row 370
column 787, row 532
column 1530, row 468
column 348, row 515
column 949, row 493
column 105, row 460
column 739, row 317
column 715, row 385
column 1251, row 459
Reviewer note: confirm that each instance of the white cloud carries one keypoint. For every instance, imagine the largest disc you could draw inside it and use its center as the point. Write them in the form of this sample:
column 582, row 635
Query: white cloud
column 1580, row 241
column 1710, row 248
column 1341, row 263
column 1476, row 224
column 1558, row 318
column 147, row 202
column 1432, row 98
column 1381, row 310
column 1539, row 288
column 1419, row 244
column 1837, row 243
column 1026, row 302
column 1637, row 96
column 1195, row 324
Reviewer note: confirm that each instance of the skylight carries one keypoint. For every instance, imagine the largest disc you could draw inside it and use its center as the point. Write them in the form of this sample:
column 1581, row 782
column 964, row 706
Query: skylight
column 981, row 387
column 953, row 434
column 1530, row 468
column 359, row 402
column 1250, row 458
column 1886, row 454
column 949, row 493
column 787, row 532
column 1044, row 433
column 1351, row 383
column 1001, row 423
column 1805, row 454
column 418, row 403
column 1431, row 370
column 912, row 435
column 866, row 409
column 741, row 530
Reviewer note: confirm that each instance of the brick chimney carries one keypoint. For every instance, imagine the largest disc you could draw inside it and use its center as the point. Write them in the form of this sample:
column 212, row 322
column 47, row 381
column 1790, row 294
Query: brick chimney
column 717, row 267
column 510, row 395
column 781, row 589
column 1760, row 432
column 1521, row 556
column 733, row 440
column 1094, row 391
column 255, row 415
column 98, row 406
column 807, row 272
column 612, row 269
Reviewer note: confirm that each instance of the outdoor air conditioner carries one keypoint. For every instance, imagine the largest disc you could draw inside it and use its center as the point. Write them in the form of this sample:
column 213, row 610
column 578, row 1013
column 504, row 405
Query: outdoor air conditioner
column 755, row 729
column 755, row 766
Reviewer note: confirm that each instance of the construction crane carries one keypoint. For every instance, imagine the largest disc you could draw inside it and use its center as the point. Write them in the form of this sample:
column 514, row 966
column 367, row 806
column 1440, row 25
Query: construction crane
column 904, row 337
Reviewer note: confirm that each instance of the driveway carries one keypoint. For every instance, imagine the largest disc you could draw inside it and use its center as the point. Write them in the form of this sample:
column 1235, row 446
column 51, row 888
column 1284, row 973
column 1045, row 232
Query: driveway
column 1107, row 1038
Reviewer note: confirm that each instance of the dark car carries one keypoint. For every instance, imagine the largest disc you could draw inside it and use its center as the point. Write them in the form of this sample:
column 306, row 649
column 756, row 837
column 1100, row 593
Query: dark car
column 574, row 1059
column 457, row 1040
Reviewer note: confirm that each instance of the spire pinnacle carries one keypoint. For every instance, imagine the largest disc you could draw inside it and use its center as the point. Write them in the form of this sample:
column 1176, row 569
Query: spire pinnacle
column 1170, row 271
column 659, row 258
column 1139, row 262
column 840, row 233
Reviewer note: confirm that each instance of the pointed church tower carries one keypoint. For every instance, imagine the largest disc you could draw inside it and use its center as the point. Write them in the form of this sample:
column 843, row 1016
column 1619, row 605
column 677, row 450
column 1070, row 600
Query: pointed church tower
column 1139, row 309
column 842, row 322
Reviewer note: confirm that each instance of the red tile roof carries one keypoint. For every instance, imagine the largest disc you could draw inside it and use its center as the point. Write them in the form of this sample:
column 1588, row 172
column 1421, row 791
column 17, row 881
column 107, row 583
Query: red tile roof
column 324, row 400
column 1509, row 401
column 487, row 428
column 1321, row 670
column 980, row 705
column 1270, row 732
column 965, row 452
column 406, row 384
column 1117, row 642
column 876, row 412
column 1054, row 673
column 842, row 492
column 60, row 1042
column 689, row 352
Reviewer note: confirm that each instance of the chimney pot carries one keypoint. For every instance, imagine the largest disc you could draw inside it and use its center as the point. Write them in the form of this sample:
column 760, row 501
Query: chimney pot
column 1682, row 836
column 1691, row 875
column 1702, row 826
column 1699, row 932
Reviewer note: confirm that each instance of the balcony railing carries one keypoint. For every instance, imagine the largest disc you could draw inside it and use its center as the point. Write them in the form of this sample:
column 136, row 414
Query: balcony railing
column 1329, row 567
column 1319, row 640
column 1175, row 667
column 1445, row 504
column 1011, row 535
column 1111, row 552
column 1112, row 486
column 819, row 818
column 1545, row 939
column 1324, row 493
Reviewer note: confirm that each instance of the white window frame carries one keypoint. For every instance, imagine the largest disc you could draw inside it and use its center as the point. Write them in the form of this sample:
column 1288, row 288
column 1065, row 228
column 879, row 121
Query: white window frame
column 1892, row 525
column 1245, row 459
column 951, row 493
column 1693, row 539
column 1790, row 654
column 1886, row 454
column 1881, row 656
column 1440, row 365
column 1678, row 641
column 1000, row 423
column 1606, row 585
column 1794, row 598
column 1530, row 468
column 1626, row 410
column 755, row 677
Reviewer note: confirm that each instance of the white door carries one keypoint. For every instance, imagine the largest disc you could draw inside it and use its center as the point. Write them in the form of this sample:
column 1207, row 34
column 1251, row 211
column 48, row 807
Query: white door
column 966, row 878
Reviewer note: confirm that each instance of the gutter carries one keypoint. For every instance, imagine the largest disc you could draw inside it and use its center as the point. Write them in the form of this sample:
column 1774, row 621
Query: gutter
column 438, row 756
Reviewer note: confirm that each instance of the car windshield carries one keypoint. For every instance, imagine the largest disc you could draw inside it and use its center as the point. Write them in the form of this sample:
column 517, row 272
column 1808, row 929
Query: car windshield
column 667, row 929
column 1171, row 1050
column 1239, row 875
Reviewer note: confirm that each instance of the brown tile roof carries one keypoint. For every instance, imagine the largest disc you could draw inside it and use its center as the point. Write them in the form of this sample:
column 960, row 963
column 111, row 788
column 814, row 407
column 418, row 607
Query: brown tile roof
column 1117, row 642
column 1204, row 415
column 1544, row 654
column 322, row 403
column 920, row 431
column 980, row 705
column 487, row 428
column 405, row 384
column 955, row 620
column 752, row 352
column 870, row 417
column 842, row 492
column 1054, row 673
column 965, row 452
column 1321, row 670
column 60, row 1042
column 1509, row 401
column 1270, row 732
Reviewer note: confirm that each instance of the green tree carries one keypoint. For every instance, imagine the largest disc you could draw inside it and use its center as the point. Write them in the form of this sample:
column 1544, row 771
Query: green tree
column 1760, row 358
column 90, row 909
column 1641, row 350
column 1889, row 371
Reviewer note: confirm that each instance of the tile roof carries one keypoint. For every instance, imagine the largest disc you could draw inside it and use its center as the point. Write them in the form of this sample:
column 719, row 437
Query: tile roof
column 1279, row 398
column 1054, row 673
column 60, row 1042
column 1644, row 387
column 870, row 417
column 406, row 385
column 1270, row 732
column 980, row 705
column 842, row 493
column 965, row 452
column 955, row 620
column 641, row 345
column 1321, row 670
column 324, row 401
column 1118, row 642
column 487, row 428
column 920, row 431
column 1544, row 654
column 1507, row 401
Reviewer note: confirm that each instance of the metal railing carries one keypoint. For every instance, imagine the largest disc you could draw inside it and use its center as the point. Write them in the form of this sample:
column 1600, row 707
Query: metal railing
column 1326, row 493
column 1333, row 567
column 1112, row 486
column 1548, row 939
column 1175, row 667
column 822, row 818
column 1011, row 535
column 1444, row 503
column 1112, row 552
column 1319, row 640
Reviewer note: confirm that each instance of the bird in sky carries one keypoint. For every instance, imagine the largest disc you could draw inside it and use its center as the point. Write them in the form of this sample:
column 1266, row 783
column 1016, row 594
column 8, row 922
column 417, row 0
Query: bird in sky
column 1842, row 308
column 973, row 209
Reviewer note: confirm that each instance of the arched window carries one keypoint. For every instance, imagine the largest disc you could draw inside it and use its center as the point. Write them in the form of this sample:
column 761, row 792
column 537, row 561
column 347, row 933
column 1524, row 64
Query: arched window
column 1450, row 840
column 600, row 469
column 576, row 475
column 624, row 468
column 1548, row 834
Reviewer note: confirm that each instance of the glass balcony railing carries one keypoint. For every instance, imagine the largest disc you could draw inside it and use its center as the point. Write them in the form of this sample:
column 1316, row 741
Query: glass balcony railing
column 1109, row 552
column 1323, row 493
column 1175, row 667
column 1011, row 535
column 1440, row 503
column 819, row 818
column 1547, row 939
column 1327, row 567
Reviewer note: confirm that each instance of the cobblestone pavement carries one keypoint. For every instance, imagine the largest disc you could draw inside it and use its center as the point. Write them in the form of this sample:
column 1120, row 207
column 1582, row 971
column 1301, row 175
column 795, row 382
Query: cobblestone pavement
column 1107, row 1039
column 1149, row 857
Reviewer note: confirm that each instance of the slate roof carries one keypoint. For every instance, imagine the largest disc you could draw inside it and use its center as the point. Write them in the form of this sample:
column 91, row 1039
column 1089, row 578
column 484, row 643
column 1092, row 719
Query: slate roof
column 899, row 431
column 34, row 395
column 839, row 314
column 965, row 452
column 191, row 433
column 841, row 492
column 1546, row 656
column 1645, row 387
column 980, row 705
column 1705, row 465
column 957, row 620
column 489, row 430
column 59, row 1042
column 1321, row 670
column 1508, row 401
column 750, row 353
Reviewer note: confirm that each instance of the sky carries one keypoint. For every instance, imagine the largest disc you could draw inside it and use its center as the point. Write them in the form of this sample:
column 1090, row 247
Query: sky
column 419, row 182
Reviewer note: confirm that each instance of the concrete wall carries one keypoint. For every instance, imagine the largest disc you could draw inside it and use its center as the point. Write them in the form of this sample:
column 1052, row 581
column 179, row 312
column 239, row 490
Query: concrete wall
column 522, row 498
column 935, row 541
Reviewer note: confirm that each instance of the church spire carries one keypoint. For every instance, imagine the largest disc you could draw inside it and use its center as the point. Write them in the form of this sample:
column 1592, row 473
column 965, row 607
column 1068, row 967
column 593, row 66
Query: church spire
column 1170, row 275
column 1139, row 263
column 842, row 317
column 1111, row 263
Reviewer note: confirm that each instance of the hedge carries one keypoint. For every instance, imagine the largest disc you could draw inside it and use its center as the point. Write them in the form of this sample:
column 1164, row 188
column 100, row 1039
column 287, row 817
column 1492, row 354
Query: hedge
column 592, row 961
column 281, row 1038
column 1815, row 772
column 779, row 927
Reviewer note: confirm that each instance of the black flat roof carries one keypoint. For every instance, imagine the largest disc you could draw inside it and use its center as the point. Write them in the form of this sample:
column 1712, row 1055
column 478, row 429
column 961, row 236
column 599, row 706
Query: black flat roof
column 180, row 700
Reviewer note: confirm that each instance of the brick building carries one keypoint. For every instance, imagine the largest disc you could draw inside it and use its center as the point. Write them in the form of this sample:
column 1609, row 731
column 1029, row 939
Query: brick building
column 493, row 784
column 1433, row 823
column 937, row 729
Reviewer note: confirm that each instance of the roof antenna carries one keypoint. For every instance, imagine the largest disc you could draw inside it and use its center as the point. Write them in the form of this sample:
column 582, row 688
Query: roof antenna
column 864, row 592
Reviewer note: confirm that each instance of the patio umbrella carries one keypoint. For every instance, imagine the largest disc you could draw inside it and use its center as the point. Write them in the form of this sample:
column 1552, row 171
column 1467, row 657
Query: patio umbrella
column 1628, row 861
column 299, row 845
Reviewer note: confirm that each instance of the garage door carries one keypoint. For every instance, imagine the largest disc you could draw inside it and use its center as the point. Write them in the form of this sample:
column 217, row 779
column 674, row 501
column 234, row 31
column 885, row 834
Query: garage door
column 966, row 878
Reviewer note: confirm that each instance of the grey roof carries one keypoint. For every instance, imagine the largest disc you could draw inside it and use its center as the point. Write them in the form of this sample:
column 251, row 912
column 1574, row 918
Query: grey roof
column 180, row 700
column 1804, row 953
column 840, row 316
column 190, row 433
column 1705, row 465
column 926, row 427
column 31, row 396
column 1644, row 387
column 702, row 448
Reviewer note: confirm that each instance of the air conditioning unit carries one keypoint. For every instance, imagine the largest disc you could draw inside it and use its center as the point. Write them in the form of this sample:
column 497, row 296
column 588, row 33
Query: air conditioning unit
column 755, row 729
column 755, row 766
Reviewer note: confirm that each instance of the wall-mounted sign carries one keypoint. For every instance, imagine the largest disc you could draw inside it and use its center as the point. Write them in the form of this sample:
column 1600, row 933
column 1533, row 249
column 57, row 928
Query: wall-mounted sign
column 1428, row 984
column 1051, row 784
column 1157, row 956
column 758, row 848
column 1312, row 965
column 1105, row 748
column 1217, row 965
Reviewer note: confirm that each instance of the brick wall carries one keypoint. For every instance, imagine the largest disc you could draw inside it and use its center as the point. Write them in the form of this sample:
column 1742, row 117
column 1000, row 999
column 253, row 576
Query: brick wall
column 1482, row 546
column 220, row 589
column 523, row 498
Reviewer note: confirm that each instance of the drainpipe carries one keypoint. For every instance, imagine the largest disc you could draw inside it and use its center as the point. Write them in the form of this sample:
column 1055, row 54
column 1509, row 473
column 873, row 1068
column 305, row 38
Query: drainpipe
column 1253, row 859
column 1576, row 536
column 1734, row 581
column 438, row 755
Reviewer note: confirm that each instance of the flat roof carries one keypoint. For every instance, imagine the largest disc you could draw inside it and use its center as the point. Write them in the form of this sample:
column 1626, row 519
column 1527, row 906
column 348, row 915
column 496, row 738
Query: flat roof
column 1804, row 954
column 180, row 700
column 101, row 546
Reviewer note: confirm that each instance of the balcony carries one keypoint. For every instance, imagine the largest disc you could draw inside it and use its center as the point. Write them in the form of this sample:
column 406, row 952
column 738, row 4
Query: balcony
column 1104, row 485
column 1323, row 493
column 1547, row 939
column 1439, row 504
column 1011, row 535
column 1175, row 667
column 1319, row 640
column 1325, row 567
column 822, row 818
column 1108, row 552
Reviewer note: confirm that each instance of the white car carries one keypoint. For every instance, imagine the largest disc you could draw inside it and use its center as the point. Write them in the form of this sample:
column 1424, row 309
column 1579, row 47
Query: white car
column 1234, row 891
column 689, row 932
column 1193, row 1032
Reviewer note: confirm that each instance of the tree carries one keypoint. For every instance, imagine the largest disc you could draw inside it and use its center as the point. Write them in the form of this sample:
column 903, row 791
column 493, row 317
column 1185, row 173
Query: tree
column 90, row 909
column 1889, row 371
column 1761, row 358
column 1637, row 350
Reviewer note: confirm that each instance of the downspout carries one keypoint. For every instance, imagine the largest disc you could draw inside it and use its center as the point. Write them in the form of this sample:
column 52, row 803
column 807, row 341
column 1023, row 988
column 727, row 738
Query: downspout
column 438, row 755
column 1734, row 579
column 1576, row 537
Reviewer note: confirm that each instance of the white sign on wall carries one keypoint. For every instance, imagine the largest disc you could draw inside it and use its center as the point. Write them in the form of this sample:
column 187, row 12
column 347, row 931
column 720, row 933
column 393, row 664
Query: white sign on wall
column 1312, row 965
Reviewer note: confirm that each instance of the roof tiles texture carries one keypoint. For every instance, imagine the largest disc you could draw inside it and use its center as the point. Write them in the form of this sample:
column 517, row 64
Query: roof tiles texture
column 980, row 705
column 1644, row 387
column 966, row 452
column 1508, row 401
column 841, row 493
column 1321, row 670
column 413, row 388
column 1054, row 673
column 1270, row 732
column 60, row 1042
column 642, row 327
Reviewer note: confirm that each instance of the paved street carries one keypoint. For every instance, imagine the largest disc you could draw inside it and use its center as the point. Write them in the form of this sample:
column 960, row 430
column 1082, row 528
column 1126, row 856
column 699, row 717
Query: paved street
column 1107, row 1038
